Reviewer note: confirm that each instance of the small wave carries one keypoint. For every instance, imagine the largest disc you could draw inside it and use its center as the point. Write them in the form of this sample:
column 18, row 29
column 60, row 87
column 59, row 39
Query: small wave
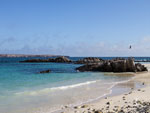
column 109, row 89
column 113, row 84
column 47, row 90
column 123, row 81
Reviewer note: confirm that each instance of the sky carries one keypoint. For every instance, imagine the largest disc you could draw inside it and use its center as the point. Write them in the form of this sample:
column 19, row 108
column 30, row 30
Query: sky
column 75, row 27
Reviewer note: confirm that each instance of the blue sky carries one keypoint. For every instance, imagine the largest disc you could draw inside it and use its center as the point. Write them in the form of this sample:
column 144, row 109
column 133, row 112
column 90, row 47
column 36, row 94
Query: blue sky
column 75, row 27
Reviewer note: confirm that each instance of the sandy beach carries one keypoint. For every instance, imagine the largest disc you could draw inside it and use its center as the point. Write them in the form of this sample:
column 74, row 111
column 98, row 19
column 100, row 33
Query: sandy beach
column 135, row 100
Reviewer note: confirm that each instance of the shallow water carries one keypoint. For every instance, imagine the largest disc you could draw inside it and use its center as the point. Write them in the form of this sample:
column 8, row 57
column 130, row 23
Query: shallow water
column 23, row 90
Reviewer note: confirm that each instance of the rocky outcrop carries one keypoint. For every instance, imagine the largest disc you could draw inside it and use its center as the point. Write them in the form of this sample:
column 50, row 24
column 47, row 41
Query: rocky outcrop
column 89, row 67
column 61, row 59
column 140, row 67
column 120, row 65
column 46, row 71
column 88, row 60
column 36, row 60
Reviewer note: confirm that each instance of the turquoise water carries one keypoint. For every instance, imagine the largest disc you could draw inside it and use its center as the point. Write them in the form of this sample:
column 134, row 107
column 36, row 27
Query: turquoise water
column 23, row 90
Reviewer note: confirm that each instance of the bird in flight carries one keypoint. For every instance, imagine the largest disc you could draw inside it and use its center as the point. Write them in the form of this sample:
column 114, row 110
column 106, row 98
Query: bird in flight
column 130, row 47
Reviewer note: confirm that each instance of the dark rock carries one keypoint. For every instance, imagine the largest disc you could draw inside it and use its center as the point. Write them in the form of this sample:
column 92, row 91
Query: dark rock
column 119, row 66
column 76, row 107
column 46, row 71
column 36, row 60
column 88, row 60
column 66, row 106
column 123, row 65
column 143, row 83
column 61, row 59
column 130, row 92
column 140, row 67
column 130, row 65
column 108, row 103
column 139, row 89
column 121, row 111
column 98, row 111
column 84, row 106
column 88, row 67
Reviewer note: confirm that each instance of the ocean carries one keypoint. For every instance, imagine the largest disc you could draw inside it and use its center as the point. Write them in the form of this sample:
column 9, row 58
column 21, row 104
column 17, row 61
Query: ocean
column 24, row 90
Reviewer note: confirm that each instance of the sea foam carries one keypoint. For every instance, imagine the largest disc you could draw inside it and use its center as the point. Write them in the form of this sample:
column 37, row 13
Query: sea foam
column 48, row 90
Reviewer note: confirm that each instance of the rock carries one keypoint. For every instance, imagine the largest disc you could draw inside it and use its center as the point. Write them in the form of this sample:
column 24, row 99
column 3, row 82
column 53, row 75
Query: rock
column 88, row 60
column 108, row 103
column 84, row 106
column 107, row 107
column 140, row 67
column 61, row 59
column 130, row 65
column 121, row 111
column 36, row 60
column 116, row 106
column 130, row 92
column 139, row 89
column 143, row 83
column 76, row 107
column 98, row 111
column 89, row 67
column 106, row 67
column 117, row 65
column 66, row 106
column 46, row 71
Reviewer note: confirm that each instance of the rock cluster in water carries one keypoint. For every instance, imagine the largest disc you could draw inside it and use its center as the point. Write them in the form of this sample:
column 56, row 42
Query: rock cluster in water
column 116, row 65
column 61, row 59
column 97, row 64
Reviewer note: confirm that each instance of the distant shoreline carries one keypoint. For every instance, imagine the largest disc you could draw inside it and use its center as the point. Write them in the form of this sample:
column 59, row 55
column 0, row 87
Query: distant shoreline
column 26, row 55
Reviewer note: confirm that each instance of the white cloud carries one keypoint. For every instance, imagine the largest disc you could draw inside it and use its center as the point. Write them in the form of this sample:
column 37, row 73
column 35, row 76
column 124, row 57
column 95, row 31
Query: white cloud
column 139, row 48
